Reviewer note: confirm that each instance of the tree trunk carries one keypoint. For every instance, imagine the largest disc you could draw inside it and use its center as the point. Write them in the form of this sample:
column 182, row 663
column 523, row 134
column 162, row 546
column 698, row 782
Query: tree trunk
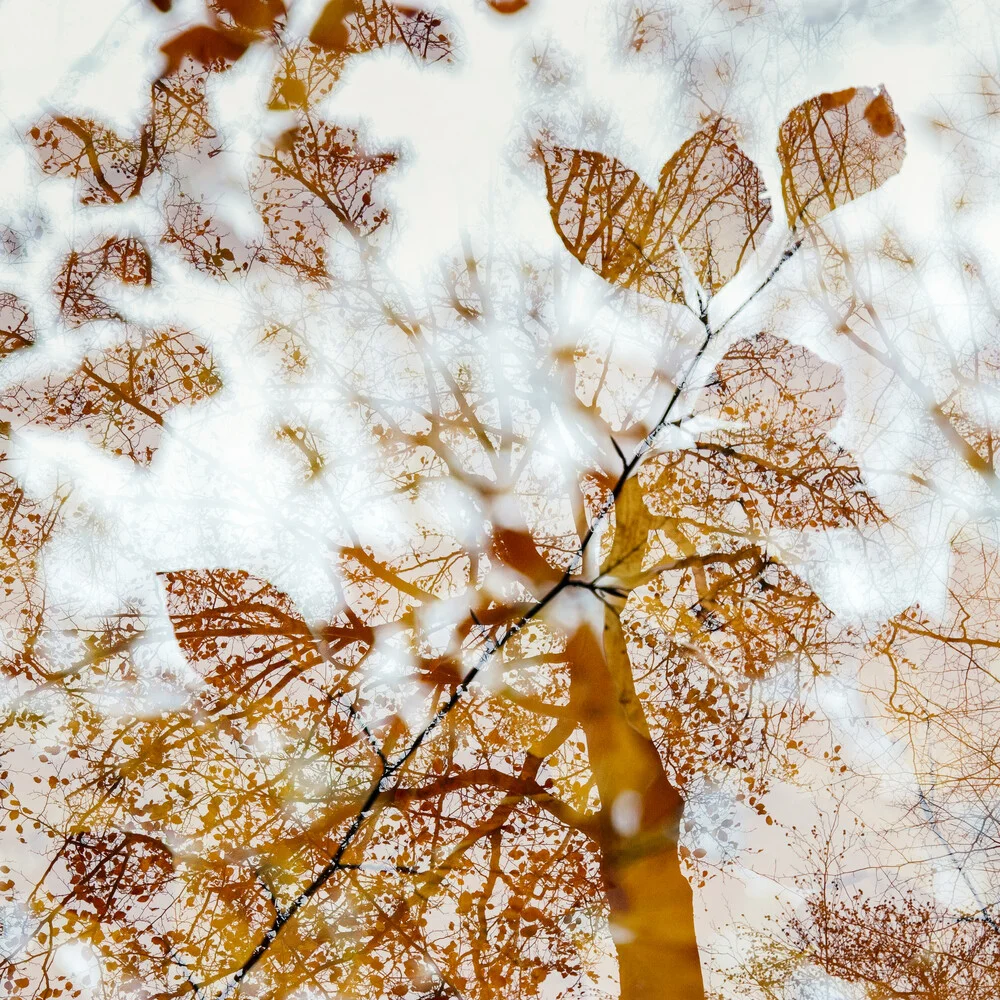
column 651, row 903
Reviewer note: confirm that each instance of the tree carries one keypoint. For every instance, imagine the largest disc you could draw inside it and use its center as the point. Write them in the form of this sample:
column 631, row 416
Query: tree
column 470, row 769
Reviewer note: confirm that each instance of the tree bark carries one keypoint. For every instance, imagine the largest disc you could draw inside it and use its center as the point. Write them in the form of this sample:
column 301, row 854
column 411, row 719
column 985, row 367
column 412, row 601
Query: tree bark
column 651, row 902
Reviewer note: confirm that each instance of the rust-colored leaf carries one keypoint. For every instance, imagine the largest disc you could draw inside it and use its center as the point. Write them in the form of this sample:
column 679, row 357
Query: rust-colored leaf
column 351, row 26
column 256, row 17
column 115, row 876
column 315, row 181
column 212, row 48
column 713, row 200
column 611, row 221
column 517, row 550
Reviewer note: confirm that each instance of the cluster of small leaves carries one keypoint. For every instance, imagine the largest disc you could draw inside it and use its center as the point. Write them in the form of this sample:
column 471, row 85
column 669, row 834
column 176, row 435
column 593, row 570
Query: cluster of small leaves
column 111, row 875
column 903, row 946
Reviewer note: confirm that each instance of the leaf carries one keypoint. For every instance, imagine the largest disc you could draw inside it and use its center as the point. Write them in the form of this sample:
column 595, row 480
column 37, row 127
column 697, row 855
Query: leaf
column 936, row 661
column 741, row 611
column 28, row 523
column 84, row 272
column 633, row 523
column 329, row 31
column 315, row 181
column 718, row 607
column 107, row 168
column 254, row 17
column 710, row 204
column 120, row 395
column 714, row 202
column 775, row 457
column 209, row 47
column 234, row 626
column 517, row 550
column 836, row 147
column 610, row 221
column 260, row 664
column 352, row 26
column 721, row 594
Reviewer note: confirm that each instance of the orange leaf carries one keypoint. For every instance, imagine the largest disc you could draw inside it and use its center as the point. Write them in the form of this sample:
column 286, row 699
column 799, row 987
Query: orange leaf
column 517, row 550
column 610, row 221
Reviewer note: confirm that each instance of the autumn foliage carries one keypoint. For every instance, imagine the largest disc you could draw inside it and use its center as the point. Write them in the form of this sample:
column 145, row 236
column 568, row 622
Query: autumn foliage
column 466, row 775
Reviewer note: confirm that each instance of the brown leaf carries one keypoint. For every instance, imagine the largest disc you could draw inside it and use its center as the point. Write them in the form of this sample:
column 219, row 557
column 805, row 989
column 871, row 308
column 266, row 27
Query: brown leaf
column 741, row 611
column 352, row 26
column 330, row 30
column 633, row 523
column 231, row 623
column 611, row 222
column 28, row 524
column 255, row 17
column 212, row 48
column 517, row 550
column 316, row 180
column 836, row 147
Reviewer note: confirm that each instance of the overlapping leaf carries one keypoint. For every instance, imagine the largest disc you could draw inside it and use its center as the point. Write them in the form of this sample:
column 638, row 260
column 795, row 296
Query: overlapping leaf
column 773, row 456
column 710, row 204
column 716, row 608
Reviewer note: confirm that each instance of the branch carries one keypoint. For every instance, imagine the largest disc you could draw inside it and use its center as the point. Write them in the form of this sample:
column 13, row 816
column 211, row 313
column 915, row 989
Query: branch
column 387, row 786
